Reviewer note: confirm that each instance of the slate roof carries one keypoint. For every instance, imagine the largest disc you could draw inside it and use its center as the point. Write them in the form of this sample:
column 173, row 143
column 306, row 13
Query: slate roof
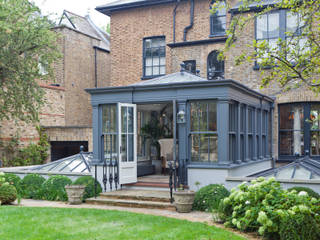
column 263, row 3
column 178, row 77
column 302, row 169
column 125, row 4
column 86, row 26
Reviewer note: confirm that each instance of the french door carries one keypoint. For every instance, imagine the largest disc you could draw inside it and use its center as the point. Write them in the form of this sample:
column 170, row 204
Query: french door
column 127, row 142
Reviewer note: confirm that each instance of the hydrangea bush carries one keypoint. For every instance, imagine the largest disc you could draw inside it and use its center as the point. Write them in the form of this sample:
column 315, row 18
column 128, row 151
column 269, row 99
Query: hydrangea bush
column 275, row 213
column 8, row 192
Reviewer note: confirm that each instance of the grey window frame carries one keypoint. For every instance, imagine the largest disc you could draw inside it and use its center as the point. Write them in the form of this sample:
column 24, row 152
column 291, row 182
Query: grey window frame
column 219, row 73
column 214, row 17
column 214, row 133
column 144, row 48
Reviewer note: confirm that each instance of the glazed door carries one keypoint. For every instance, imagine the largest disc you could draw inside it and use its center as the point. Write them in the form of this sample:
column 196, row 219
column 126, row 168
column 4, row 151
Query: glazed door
column 127, row 145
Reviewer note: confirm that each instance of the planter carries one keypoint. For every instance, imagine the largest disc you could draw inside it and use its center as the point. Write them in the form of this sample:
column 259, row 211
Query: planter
column 183, row 201
column 75, row 193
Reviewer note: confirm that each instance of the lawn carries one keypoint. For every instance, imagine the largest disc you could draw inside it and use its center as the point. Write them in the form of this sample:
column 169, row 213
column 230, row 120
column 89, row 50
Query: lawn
column 93, row 224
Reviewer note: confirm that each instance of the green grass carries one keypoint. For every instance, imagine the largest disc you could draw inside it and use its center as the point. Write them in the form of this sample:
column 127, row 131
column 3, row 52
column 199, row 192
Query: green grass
column 92, row 224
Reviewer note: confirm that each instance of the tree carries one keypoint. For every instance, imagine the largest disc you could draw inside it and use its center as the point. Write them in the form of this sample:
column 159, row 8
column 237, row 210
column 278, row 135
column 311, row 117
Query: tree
column 292, row 61
column 26, row 41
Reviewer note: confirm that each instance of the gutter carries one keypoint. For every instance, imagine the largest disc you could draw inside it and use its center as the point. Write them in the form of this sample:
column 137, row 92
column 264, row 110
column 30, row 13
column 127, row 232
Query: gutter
column 174, row 20
column 187, row 28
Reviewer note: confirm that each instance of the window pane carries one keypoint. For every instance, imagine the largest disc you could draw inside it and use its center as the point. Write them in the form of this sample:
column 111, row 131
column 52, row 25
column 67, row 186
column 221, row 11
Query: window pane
column 130, row 147
column 130, row 119
column 215, row 66
column 204, row 144
column 110, row 147
column 194, row 117
column 124, row 116
column 291, row 117
column 156, row 42
column 195, row 144
column 162, row 61
column 212, row 117
column 292, row 22
column 202, row 116
column 147, row 43
column 148, row 61
column 213, row 149
column 291, row 142
column 273, row 25
column 163, row 70
column 155, row 71
column 124, row 147
column 148, row 71
column 273, row 46
column 314, row 117
column 156, row 61
column 262, row 27
column 221, row 9
column 315, row 143
column 109, row 118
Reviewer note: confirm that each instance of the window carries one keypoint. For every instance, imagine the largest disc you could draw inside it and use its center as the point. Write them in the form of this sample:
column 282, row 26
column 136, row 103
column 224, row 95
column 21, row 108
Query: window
column 280, row 24
column 190, row 66
column 291, row 126
column 154, row 57
column 233, row 130
column 215, row 67
column 203, row 131
column 218, row 20
column 109, row 132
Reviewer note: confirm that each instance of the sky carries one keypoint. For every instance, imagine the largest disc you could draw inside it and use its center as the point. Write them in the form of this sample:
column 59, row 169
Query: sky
column 80, row 7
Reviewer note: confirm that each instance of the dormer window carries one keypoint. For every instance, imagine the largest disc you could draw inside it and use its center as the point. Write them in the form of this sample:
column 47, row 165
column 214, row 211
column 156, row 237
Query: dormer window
column 218, row 20
column 154, row 57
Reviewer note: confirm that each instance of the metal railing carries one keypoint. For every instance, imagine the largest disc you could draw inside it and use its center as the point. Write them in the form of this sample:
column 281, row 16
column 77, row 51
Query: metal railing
column 110, row 174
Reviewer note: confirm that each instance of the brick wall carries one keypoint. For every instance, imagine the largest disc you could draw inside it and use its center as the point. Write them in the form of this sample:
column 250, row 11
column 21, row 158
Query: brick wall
column 128, row 28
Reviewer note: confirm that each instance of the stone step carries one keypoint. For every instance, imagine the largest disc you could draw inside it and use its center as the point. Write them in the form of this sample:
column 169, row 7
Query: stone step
column 148, row 184
column 140, row 195
column 130, row 203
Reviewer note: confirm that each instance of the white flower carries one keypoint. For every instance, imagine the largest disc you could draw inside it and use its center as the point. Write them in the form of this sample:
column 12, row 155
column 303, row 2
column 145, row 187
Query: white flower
column 247, row 202
column 303, row 193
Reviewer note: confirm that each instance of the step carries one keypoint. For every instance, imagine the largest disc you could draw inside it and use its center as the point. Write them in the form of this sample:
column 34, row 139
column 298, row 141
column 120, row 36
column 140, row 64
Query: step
column 149, row 184
column 130, row 203
column 140, row 195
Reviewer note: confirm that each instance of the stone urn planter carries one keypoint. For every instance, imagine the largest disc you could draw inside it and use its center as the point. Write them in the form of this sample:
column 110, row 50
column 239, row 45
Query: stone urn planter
column 183, row 200
column 75, row 193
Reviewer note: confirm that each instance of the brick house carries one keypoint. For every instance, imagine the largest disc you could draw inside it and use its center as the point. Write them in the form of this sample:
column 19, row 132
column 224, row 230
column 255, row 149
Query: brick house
column 66, row 116
column 150, row 39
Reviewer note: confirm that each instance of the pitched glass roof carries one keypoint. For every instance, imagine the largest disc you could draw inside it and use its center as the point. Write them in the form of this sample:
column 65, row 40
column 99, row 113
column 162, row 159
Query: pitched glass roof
column 79, row 163
column 302, row 169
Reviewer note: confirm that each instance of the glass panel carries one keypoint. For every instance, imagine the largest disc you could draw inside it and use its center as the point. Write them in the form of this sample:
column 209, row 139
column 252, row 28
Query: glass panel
column 109, row 117
column 194, row 117
column 156, row 61
column 195, row 147
column 155, row 71
column 285, row 173
column 204, row 147
column 80, row 168
column 315, row 143
column 202, row 116
column 110, row 147
column 213, row 149
column 148, row 53
column 149, row 61
column 301, row 173
column 147, row 43
column 130, row 120
column 163, row 70
column 291, row 142
column 124, row 115
column 291, row 117
column 221, row 9
column 162, row 61
column 273, row 45
column 130, row 147
column 156, row 42
column 212, row 116
column 314, row 117
column 124, row 147
column 273, row 25
column 155, row 52
column 262, row 27
column 292, row 22
column 148, row 71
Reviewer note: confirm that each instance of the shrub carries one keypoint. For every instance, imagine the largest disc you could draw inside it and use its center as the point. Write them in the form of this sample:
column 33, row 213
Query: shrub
column 30, row 186
column 53, row 188
column 209, row 197
column 310, row 192
column 12, row 179
column 8, row 193
column 89, row 182
column 275, row 213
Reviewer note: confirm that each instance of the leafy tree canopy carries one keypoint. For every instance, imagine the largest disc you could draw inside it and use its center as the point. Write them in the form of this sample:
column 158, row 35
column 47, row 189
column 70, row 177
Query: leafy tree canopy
column 26, row 42
column 293, row 60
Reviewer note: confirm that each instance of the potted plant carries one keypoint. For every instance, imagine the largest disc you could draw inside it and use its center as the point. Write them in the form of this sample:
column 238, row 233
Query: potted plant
column 183, row 199
column 75, row 193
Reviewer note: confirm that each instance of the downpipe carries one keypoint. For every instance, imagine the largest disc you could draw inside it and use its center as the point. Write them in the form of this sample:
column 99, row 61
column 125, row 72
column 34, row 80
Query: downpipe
column 187, row 28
